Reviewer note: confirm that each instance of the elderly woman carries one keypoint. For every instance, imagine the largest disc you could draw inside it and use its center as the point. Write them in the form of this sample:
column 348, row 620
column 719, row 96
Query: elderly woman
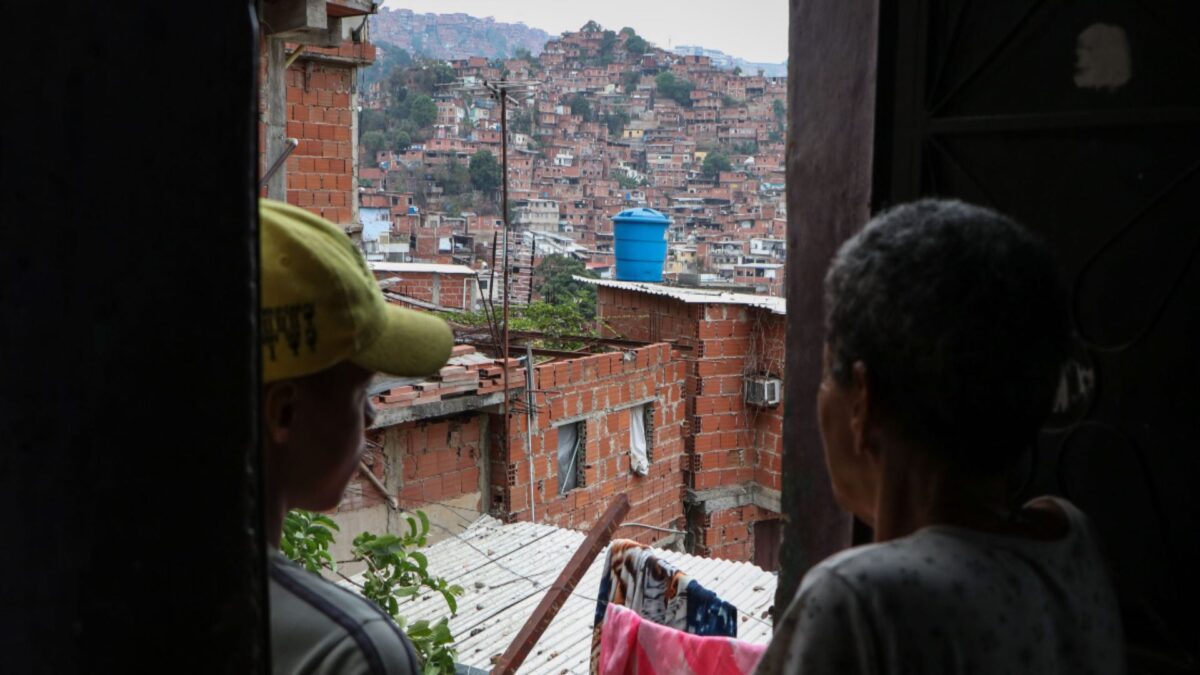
column 945, row 332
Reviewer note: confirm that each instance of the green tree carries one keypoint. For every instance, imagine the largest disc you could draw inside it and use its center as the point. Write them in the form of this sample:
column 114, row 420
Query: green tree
column 553, row 280
column 626, row 182
column 737, row 71
column 636, row 45
column 415, row 133
column 582, row 107
column 453, row 177
column 485, row 171
column 371, row 120
column 728, row 101
column 676, row 89
column 590, row 27
column 630, row 80
column 715, row 163
column 607, row 42
column 521, row 121
column 397, row 140
column 522, row 54
column 372, row 142
column 779, row 108
column 423, row 111
column 616, row 122
column 558, row 321
column 745, row 148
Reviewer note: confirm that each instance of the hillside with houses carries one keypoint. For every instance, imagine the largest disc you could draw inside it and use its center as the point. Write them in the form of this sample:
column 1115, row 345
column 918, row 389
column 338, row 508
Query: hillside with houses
column 610, row 122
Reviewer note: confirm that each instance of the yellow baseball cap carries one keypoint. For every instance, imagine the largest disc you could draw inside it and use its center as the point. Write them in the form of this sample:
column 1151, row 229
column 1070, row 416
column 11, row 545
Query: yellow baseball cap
column 321, row 306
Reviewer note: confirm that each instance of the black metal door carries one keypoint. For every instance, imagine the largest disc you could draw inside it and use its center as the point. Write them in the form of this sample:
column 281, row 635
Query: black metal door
column 1082, row 120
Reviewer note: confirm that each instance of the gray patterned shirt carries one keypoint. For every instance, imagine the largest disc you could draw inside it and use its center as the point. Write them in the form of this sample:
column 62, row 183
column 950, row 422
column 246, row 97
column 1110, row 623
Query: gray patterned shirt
column 952, row 600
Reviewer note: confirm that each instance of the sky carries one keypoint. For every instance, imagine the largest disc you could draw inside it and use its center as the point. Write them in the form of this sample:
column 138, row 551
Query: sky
column 755, row 30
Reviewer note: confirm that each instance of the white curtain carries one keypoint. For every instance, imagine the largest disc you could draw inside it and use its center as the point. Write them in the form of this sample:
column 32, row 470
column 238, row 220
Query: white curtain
column 639, row 460
column 568, row 457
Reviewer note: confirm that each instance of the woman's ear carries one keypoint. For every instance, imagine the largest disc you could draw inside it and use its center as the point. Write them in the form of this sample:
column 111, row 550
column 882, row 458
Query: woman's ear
column 861, row 420
column 279, row 410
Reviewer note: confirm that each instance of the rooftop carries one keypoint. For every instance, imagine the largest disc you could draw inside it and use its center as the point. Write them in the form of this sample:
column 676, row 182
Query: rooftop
column 415, row 267
column 775, row 305
column 506, row 569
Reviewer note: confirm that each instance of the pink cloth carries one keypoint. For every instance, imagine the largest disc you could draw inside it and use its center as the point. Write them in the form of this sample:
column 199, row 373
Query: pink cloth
column 632, row 645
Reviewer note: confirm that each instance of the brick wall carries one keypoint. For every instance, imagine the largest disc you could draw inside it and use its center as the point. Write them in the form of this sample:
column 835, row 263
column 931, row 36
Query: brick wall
column 438, row 460
column 726, row 442
column 456, row 291
column 441, row 458
column 734, row 442
column 729, row 533
column 599, row 391
column 360, row 493
column 320, row 173
column 650, row 318
column 768, row 348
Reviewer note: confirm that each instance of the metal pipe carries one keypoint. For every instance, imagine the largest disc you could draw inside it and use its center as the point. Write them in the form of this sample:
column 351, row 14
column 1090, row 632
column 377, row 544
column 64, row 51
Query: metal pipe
column 531, row 424
column 366, row 471
column 290, row 145
column 293, row 56
column 652, row 527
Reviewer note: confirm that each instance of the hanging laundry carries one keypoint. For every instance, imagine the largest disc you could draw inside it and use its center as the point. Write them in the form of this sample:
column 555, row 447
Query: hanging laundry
column 634, row 577
column 708, row 614
column 634, row 646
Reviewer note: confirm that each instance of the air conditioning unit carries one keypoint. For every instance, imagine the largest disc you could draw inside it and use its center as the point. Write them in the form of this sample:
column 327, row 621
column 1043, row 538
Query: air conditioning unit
column 763, row 391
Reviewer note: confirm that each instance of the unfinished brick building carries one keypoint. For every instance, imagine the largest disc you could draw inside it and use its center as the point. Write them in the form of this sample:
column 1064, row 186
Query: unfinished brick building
column 309, row 72
column 732, row 447
column 590, row 408
column 666, row 413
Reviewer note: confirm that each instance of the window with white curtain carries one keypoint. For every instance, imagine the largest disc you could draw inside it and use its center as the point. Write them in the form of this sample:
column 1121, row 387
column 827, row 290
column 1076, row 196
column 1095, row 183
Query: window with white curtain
column 571, row 442
column 641, row 438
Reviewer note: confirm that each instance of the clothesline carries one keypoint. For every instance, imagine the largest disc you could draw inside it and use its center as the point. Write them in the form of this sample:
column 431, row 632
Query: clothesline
column 540, row 584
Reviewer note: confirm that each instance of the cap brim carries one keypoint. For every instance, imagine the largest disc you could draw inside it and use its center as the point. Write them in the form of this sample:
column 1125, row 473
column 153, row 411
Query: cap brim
column 413, row 343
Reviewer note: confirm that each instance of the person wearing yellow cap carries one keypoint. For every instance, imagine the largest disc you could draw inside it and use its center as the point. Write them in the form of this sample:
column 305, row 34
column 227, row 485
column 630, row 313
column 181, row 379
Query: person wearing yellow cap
column 326, row 330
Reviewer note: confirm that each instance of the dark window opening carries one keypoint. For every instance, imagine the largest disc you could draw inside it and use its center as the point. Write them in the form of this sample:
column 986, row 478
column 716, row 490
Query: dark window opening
column 572, row 439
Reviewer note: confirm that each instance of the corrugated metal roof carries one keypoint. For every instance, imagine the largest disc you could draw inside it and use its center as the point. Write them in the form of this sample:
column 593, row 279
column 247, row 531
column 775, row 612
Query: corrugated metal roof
column 419, row 267
column 774, row 304
column 506, row 569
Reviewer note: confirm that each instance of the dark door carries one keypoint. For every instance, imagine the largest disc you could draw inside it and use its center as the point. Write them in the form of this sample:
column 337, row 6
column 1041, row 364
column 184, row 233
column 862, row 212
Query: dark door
column 767, row 535
column 1082, row 120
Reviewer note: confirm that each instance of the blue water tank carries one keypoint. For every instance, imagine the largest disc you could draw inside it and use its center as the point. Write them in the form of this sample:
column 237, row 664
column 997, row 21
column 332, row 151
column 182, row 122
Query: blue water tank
column 641, row 244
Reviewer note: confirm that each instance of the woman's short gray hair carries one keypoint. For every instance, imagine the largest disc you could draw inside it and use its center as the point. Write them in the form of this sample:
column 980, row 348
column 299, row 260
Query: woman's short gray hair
column 959, row 316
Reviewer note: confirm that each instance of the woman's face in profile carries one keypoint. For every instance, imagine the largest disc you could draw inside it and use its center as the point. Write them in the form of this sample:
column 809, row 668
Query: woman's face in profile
column 840, row 415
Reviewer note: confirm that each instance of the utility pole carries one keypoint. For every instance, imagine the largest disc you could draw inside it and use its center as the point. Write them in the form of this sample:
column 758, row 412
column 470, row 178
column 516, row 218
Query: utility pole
column 502, row 91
